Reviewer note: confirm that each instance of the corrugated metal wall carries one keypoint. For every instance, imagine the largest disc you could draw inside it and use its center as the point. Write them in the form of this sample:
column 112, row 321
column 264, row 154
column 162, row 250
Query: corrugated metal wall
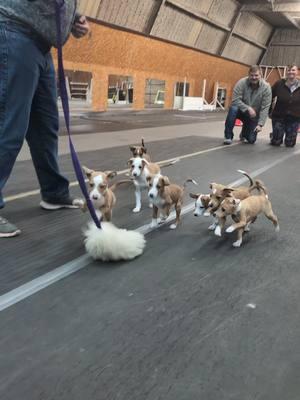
column 215, row 26
column 284, row 48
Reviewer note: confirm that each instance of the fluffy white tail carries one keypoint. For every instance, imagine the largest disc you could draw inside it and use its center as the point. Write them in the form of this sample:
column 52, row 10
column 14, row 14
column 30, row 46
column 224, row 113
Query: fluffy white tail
column 111, row 243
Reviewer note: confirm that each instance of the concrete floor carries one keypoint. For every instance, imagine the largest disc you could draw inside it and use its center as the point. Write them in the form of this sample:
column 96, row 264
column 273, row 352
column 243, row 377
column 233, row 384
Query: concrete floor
column 174, row 323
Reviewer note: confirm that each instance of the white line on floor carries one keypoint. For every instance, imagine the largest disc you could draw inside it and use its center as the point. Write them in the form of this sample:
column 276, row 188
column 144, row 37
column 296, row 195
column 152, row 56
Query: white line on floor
column 34, row 286
column 123, row 171
column 191, row 116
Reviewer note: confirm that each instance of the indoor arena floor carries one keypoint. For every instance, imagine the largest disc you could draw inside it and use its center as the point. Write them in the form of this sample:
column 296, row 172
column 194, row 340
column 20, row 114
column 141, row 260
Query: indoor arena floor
column 191, row 319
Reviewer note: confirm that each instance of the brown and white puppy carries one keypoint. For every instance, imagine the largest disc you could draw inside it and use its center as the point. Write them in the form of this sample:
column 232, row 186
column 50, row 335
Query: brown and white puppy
column 101, row 195
column 245, row 212
column 202, row 204
column 139, row 170
column 164, row 195
column 140, row 151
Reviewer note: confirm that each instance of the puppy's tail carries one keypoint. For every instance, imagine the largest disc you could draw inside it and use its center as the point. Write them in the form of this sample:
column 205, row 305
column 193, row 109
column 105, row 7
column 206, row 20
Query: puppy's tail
column 190, row 180
column 247, row 175
column 259, row 185
column 115, row 185
column 168, row 163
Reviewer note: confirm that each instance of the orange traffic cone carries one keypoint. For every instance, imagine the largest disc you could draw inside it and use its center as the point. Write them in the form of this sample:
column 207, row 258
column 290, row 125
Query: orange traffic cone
column 238, row 122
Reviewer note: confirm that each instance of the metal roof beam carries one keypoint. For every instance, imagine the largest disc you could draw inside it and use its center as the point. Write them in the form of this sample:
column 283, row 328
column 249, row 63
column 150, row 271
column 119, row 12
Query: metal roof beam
column 154, row 17
column 226, row 41
column 277, row 7
column 292, row 20
column 203, row 17
column 199, row 15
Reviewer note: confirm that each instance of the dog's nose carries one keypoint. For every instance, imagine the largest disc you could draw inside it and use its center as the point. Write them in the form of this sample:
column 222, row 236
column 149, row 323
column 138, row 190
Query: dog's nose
column 195, row 214
column 151, row 195
column 134, row 174
column 95, row 197
column 214, row 214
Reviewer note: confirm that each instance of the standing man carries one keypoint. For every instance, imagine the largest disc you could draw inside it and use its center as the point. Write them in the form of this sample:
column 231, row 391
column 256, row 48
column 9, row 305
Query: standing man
column 286, row 113
column 28, row 97
column 250, row 103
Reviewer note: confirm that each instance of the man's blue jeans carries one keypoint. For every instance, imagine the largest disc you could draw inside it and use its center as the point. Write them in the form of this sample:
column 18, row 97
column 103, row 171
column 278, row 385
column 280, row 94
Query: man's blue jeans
column 28, row 109
column 249, row 124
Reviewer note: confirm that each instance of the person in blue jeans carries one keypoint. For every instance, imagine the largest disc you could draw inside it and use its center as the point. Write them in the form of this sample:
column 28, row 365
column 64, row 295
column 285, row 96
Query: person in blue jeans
column 28, row 95
column 251, row 101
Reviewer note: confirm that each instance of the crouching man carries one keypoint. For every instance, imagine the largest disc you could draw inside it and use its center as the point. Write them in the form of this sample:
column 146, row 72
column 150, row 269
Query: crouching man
column 251, row 101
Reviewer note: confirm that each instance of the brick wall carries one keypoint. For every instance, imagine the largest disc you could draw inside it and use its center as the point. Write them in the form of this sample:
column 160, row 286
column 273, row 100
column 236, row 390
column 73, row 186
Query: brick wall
column 110, row 51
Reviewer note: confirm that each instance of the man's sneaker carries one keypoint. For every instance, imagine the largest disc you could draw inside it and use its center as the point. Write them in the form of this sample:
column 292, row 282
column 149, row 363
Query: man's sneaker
column 227, row 141
column 57, row 204
column 7, row 229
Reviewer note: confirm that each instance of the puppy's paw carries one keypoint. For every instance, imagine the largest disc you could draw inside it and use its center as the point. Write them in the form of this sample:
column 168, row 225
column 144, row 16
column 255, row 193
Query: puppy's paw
column 162, row 219
column 136, row 209
column 212, row 227
column 79, row 203
column 277, row 229
column 83, row 207
column 247, row 228
column 150, row 205
column 237, row 243
column 154, row 223
column 230, row 229
column 173, row 226
column 218, row 231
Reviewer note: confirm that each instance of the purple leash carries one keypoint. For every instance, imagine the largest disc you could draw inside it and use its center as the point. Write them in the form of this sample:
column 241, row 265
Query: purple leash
column 65, row 104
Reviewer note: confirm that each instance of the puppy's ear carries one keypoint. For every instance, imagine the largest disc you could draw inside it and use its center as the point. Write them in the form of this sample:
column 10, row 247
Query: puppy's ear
column 144, row 150
column 110, row 174
column 87, row 171
column 236, row 202
column 205, row 200
column 130, row 161
column 144, row 162
column 194, row 196
column 226, row 192
column 148, row 179
column 165, row 181
column 132, row 148
column 213, row 188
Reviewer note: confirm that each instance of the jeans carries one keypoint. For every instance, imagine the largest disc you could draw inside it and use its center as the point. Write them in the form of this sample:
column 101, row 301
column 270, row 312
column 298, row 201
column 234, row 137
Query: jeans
column 28, row 109
column 287, row 127
column 249, row 124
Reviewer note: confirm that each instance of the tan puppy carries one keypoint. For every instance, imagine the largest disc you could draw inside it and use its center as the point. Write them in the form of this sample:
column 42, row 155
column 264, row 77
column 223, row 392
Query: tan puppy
column 245, row 212
column 219, row 192
column 164, row 196
column 140, row 151
column 101, row 195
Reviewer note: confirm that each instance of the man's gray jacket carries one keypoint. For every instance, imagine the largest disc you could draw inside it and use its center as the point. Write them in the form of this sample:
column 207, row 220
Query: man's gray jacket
column 244, row 96
column 39, row 15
